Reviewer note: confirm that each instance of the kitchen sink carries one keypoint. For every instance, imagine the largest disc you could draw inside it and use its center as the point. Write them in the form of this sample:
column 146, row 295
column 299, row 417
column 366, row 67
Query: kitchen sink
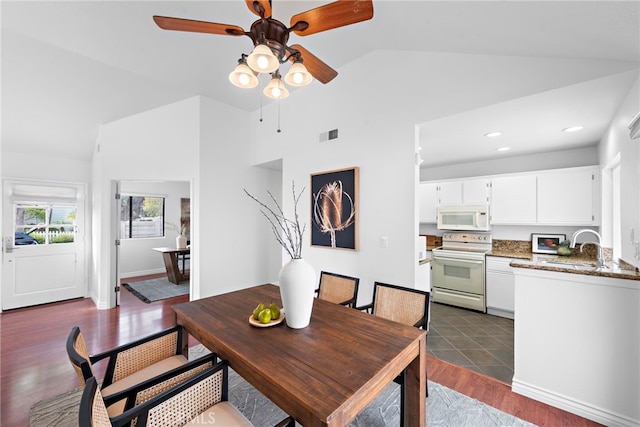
column 571, row 265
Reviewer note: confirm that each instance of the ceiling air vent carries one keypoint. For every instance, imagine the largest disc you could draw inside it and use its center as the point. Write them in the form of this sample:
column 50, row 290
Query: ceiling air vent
column 328, row 136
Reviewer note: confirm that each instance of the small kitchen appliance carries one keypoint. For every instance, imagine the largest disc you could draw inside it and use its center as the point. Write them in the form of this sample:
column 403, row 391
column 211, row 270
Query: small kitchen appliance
column 467, row 218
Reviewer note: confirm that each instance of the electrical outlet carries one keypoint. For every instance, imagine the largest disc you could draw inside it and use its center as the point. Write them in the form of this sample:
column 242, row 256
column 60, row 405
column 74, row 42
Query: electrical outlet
column 384, row 242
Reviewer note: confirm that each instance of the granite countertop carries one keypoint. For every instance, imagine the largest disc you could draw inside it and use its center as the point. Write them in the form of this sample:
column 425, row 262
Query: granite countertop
column 522, row 257
column 611, row 270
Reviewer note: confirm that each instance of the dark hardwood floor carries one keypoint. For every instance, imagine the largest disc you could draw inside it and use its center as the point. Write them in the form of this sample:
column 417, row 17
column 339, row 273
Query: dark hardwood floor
column 34, row 364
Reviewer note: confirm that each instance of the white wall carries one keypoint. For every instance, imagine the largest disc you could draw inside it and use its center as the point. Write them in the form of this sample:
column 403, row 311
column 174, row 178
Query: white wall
column 137, row 256
column 157, row 145
column 617, row 141
column 205, row 143
column 232, row 238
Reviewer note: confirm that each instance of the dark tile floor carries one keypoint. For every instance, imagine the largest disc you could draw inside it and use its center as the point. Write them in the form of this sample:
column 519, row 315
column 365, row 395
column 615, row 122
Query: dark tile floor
column 474, row 340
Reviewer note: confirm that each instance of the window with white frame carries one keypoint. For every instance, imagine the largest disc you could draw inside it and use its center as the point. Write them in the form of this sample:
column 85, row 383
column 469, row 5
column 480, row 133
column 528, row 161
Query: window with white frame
column 43, row 223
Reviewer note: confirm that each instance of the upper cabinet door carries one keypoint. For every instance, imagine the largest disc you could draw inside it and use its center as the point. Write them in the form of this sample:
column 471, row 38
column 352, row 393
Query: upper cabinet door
column 566, row 197
column 427, row 202
column 475, row 192
column 450, row 193
column 513, row 200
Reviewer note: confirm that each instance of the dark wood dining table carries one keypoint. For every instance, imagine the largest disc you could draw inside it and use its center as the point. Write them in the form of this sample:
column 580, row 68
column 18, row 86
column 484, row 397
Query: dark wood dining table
column 171, row 264
column 322, row 375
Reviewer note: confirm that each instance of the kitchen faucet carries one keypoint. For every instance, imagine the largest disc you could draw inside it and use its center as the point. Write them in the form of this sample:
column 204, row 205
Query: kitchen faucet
column 598, row 244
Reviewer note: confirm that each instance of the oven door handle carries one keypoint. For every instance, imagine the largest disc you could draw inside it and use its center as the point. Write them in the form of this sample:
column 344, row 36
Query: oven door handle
column 468, row 261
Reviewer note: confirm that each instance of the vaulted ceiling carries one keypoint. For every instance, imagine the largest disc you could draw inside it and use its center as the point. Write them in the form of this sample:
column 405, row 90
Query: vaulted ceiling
column 69, row 66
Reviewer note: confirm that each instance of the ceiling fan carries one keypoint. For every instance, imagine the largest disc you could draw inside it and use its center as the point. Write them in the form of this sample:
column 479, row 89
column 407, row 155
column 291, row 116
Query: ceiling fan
column 270, row 37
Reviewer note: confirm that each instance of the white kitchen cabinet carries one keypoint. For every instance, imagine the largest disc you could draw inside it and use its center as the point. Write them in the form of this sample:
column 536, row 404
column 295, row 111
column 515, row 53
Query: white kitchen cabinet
column 450, row 193
column 566, row 197
column 513, row 199
column 500, row 287
column 427, row 201
column 462, row 192
column 475, row 192
column 423, row 280
column 555, row 197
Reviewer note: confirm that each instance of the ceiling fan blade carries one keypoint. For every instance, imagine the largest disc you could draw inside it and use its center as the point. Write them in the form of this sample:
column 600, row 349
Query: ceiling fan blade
column 179, row 24
column 318, row 69
column 261, row 4
column 333, row 15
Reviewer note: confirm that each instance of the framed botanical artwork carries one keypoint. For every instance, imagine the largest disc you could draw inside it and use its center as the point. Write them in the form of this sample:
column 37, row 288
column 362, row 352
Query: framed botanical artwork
column 334, row 209
column 546, row 243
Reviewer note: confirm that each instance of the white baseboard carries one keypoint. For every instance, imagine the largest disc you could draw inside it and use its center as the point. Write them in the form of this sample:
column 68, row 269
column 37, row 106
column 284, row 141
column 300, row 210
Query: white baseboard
column 500, row 312
column 142, row 273
column 583, row 409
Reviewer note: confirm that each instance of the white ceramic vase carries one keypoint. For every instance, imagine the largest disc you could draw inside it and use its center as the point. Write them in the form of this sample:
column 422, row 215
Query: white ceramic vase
column 297, row 284
column 181, row 242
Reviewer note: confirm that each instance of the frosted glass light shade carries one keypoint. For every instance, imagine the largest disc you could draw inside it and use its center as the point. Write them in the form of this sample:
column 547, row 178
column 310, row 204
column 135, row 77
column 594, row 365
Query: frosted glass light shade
column 243, row 77
column 276, row 89
column 263, row 60
column 298, row 75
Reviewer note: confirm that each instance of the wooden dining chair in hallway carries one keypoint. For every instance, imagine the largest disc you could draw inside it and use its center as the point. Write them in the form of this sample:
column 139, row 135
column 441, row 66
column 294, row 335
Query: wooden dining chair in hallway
column 200, row 400
column 405, row 305
column 338, row 288
column 157, row 355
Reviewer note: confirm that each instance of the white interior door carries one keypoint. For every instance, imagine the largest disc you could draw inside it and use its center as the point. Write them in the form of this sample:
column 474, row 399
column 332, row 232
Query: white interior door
column 43, row 243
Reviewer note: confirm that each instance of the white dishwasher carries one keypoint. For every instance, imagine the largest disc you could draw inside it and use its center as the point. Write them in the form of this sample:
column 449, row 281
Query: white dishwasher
column 500, row 284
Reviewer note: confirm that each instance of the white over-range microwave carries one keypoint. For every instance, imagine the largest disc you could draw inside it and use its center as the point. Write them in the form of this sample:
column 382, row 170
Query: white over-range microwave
column 466, row 218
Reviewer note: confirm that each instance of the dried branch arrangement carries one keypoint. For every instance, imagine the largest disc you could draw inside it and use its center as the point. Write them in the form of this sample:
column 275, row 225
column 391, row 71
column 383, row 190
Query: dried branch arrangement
column 287, row 232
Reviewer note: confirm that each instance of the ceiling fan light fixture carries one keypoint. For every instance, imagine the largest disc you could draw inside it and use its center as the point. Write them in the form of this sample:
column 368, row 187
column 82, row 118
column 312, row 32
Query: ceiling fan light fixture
column 243, row 76
column 276, row 89
column 263, row 60
column 298, row 75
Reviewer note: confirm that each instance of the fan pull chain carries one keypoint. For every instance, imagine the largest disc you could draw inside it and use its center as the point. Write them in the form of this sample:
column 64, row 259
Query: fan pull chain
column 260, row 95
column 279, row 115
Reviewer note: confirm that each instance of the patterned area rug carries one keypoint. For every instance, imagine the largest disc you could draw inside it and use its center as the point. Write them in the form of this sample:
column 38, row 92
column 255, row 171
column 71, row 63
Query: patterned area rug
column 156, row 289
column 445, row 407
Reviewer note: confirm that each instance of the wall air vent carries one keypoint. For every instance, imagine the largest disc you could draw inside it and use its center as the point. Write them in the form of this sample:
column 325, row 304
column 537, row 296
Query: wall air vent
column 328, row 136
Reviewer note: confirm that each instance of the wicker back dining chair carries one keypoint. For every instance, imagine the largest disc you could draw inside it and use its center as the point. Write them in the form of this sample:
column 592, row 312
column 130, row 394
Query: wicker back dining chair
column 405, row 305
column 338, row 288
column 156, row 356
column 200, row 400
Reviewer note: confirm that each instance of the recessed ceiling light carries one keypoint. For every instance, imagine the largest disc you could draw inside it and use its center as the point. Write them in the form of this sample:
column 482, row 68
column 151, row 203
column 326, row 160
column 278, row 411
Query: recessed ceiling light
column 493, row 134
column 572, row 129
column 503, row 149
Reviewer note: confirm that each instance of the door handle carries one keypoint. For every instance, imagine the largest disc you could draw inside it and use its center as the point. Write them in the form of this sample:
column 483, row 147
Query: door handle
column 8, row 245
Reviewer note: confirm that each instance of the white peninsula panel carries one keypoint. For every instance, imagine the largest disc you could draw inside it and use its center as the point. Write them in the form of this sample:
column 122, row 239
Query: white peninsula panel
column 577, row 344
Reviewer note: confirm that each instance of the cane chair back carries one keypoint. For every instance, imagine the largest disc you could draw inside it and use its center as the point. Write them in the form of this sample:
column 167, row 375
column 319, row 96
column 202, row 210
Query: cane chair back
column 197, row 401
column 338, row 288
column 79, row 356
column 404, row 305
column 156, row 362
